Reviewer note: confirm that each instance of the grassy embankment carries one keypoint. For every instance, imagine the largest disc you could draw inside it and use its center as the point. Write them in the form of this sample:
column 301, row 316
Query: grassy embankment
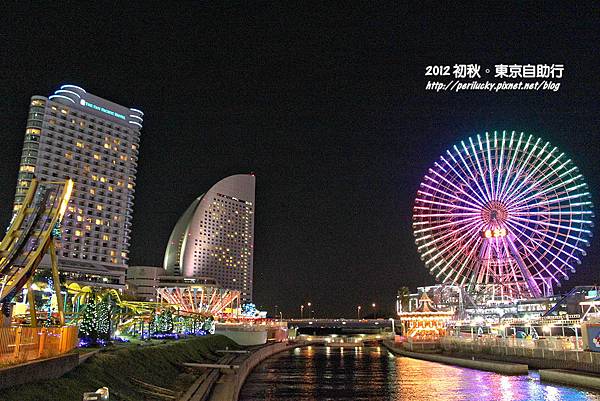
column 155, row 364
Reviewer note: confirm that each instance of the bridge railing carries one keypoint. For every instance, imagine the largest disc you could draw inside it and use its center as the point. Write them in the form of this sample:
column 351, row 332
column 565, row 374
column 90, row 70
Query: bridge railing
column 552, row 343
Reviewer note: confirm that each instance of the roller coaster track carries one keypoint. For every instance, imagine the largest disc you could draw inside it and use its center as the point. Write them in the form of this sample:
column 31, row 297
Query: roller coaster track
column 30, row 236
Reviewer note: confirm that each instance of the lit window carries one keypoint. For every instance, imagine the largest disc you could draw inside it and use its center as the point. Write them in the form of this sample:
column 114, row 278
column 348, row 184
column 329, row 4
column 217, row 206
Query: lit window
column 92, row 191
column 78, row 233
column 99, row 207
column 27, row 169
column 105, row 237
column 79, row 144
column 96, row 156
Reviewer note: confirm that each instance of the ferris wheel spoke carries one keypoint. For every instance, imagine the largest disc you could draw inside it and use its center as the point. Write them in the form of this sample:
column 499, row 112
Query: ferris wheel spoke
column 481, row 200
column 500, row 162
column 546, row 179
column 446, row 247
column 449, row 205
column 439, row 226
column 442, row 249
column 444, row 190
column 469, row 263
column 566, row 212
column 552, row 188
column 542, row 165
column 456, row 256
column 552, row 183
column 553, row 201
column 540, row 263
column 551, row 241
column 448, row 194
column 553, row 225
column 523, row 164
column 481, row 173
column 454, row 187
column 473, row 176
column 445, row 236
column 490, row 161
column 515, row 153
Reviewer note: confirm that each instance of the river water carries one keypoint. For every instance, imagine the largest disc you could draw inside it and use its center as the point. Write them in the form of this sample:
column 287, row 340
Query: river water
column 374, row 374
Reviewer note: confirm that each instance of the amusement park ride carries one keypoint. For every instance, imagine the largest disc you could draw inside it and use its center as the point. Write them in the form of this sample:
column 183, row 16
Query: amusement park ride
column 27, row 240
column 504, row 215
column 30, row 237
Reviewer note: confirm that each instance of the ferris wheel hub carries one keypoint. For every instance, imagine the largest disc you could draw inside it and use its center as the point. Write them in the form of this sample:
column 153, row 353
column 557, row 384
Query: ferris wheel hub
column 494, row 214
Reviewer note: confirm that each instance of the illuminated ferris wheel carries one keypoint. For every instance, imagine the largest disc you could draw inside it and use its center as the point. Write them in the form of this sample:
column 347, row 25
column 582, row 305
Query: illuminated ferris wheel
column 503, row 213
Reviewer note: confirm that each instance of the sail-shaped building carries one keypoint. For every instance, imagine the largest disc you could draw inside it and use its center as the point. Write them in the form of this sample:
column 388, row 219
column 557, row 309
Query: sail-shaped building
column 214, row 237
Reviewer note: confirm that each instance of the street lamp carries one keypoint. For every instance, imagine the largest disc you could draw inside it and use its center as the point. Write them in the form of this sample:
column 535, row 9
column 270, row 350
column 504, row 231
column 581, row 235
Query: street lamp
column 358, row 308
column 309, row 311
column 301, row 311
column 374, row 315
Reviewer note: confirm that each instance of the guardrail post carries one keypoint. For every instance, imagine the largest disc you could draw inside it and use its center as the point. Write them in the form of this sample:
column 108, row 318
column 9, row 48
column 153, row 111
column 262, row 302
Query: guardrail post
column 42, row 340
column 17, row 341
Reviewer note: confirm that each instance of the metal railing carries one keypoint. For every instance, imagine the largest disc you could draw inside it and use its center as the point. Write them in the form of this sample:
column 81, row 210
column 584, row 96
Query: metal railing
column 548, row 343
column 21, row 344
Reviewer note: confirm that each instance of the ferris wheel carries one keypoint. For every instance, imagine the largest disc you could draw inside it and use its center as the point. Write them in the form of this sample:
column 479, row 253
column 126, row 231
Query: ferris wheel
column 503, row 213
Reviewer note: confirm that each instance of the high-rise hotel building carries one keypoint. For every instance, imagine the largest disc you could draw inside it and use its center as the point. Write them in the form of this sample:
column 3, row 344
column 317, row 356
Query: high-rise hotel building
column 74, row 134
column 214, row 238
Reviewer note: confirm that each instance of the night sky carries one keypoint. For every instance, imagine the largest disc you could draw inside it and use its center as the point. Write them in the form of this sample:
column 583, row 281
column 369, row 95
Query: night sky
column 326, row 105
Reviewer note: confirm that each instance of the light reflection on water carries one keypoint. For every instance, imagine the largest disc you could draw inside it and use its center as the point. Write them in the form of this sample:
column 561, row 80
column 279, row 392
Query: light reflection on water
column 330, row 373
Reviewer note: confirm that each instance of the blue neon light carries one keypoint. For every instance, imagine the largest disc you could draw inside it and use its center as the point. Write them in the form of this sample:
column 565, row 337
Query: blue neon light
column 67, row 91
column 73, row 86
column 62, row 97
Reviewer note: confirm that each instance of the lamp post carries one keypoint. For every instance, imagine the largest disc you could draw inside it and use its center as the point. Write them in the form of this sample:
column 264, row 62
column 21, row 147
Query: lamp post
column 358, row 308
column 374, row 315
column 301, row 311
column 309, row 310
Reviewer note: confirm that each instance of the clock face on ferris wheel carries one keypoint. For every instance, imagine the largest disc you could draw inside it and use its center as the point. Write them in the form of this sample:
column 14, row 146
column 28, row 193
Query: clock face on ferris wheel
column 504, row 212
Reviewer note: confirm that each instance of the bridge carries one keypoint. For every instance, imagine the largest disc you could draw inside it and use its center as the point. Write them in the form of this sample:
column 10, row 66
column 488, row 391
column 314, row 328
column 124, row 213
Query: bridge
column 349, row 327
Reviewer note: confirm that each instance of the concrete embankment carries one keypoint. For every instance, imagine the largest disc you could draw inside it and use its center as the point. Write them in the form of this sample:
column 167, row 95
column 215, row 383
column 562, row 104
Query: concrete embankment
column 492, row 366
column 42, row 369
column 229, row 386
column 570, row 378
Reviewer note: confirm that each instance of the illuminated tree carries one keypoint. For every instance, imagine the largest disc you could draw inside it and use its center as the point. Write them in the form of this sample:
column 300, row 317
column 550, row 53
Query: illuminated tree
column 88, row 328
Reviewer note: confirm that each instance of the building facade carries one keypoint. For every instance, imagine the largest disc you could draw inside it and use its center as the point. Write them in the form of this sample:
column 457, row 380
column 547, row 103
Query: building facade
column 142, row 281
column 74, row 134
column 215, row 236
